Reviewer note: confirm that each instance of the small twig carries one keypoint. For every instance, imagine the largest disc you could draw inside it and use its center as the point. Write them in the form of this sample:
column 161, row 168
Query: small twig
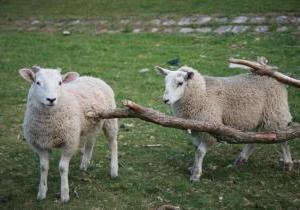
column 265, row 70
column 76, row 193
column 152, row 145
column 168, row 207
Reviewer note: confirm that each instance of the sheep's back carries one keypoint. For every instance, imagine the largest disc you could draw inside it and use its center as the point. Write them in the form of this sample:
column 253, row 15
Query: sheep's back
column 250, row 101
column 92, row 94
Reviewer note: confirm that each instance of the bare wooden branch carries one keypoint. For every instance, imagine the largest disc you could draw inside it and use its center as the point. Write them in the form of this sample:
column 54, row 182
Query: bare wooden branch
column 220, row 131
column 261, row 68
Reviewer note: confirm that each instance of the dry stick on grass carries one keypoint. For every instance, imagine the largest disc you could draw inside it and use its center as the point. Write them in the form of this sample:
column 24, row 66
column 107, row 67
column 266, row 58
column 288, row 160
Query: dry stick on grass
column 222, row 132
column 168, row 207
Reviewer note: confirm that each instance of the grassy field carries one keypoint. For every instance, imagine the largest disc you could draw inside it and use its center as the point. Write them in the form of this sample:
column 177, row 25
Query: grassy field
column 149, row 177
column 53, row 9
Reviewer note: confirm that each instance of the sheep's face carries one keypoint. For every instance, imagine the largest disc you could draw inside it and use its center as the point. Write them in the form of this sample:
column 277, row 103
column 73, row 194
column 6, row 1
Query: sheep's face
column 46, row 84
column 175, row 83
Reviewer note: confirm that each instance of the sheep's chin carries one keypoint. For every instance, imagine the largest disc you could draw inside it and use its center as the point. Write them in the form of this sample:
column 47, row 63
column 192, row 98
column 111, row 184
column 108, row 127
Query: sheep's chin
column 172, row 103
column 175, row 102
column 48, row 105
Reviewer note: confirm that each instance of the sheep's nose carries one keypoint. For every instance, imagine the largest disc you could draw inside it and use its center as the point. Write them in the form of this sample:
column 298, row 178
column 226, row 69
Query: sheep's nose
column 166, row 101
column 51, row 100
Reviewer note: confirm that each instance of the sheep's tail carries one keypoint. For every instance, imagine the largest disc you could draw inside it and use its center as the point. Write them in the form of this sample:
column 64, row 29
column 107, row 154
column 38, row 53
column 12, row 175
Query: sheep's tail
column 233, row 65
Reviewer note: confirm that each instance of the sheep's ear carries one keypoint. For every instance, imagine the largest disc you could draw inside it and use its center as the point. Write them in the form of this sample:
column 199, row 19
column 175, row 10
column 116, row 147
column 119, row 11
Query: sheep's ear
column 189, row 75
column 35, row 69
column 162, row 71
column 69, row 77
column 27, row 74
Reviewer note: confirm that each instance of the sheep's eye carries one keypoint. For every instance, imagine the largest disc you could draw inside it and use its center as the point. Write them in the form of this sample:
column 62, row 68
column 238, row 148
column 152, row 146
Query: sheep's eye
column 38, row 83
column 179, row 84
column 60, row 83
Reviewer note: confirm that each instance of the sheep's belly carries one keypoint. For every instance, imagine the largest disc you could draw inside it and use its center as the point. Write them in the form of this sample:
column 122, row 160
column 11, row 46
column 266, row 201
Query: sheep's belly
column 47, row 143
column 243, row 120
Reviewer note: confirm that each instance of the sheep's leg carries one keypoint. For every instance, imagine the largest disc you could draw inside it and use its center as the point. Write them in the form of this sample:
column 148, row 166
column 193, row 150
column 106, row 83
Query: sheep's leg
column 44, row 167
column 87, row 152
column 111, row 132
column 244, row 155
column 199, row 156
column 64, row 171
column 287, row 157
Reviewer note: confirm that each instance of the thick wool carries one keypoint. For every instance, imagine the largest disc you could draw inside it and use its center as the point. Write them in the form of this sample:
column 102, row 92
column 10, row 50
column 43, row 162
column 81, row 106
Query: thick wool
column 65, row 123
column 56, row 117
column 246, row 102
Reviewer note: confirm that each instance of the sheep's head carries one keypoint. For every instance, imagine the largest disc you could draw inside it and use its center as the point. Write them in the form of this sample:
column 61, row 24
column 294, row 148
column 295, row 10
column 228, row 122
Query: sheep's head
column 46, row 83
column 175, row 83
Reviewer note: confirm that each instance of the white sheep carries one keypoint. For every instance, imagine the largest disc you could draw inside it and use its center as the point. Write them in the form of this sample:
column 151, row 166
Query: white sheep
column 247, row 102
column 55, row 117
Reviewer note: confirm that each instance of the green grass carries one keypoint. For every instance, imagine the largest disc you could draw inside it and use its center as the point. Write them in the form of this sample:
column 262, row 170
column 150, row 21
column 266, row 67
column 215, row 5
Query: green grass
column 149, row 177
column 53, row 9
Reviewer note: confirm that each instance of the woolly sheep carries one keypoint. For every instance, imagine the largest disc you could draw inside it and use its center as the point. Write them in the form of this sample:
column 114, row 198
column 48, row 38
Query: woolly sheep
column 246, row 102
column 55, row 118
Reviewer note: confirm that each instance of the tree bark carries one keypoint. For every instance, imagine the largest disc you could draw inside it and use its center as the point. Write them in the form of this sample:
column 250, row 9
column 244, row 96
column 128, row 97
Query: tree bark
column 262, row 69
column 221, row 132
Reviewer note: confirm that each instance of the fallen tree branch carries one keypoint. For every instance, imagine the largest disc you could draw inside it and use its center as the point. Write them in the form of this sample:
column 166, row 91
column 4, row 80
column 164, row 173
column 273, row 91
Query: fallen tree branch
column 220, row 131
column 261, row 68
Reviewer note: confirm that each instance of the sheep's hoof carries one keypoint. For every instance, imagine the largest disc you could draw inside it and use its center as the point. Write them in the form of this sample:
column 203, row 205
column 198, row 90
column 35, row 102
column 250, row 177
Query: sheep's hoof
column 190, row 169
column 196, row 174
column 65, row 198
column 41, row 196
column 83, row 166
column 113, row 175
column 288, row 166
column 240, row 161
column 195, row 178
column 114, row 172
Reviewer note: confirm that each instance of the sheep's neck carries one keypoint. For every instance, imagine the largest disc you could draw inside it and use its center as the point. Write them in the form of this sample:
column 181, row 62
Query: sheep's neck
column 192, row 102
